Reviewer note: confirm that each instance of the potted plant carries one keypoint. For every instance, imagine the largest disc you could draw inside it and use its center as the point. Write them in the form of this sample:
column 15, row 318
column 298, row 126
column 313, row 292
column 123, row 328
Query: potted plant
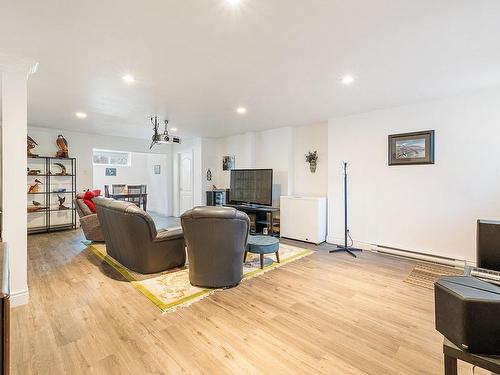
column 312, row 159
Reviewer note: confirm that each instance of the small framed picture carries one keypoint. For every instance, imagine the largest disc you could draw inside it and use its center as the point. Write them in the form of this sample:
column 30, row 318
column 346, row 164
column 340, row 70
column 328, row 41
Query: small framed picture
column 411, row 148
column 228, row 163
column 111, row 172
column 157, row 169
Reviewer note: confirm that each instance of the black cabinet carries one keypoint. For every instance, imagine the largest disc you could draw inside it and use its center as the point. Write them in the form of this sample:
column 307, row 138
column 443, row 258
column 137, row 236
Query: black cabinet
column 218, row 197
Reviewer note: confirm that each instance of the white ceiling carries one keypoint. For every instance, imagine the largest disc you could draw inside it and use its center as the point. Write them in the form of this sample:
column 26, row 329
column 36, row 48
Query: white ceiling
column 197, row 60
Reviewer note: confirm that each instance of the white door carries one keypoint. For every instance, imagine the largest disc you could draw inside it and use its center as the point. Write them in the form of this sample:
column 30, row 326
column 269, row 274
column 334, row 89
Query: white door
column 185, row 182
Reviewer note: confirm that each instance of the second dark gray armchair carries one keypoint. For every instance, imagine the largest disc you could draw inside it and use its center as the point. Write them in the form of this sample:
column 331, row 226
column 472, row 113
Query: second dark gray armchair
column 216, row 238
column 132, row 239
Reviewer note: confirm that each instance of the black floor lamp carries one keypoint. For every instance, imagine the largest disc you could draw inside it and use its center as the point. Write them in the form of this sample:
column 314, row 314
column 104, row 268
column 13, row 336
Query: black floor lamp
column 347, row 249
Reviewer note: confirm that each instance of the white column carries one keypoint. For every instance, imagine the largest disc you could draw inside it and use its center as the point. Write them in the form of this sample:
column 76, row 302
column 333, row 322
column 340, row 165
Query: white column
column 14, row 164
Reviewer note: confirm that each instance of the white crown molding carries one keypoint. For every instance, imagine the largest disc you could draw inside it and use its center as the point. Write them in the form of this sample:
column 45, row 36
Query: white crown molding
column 15, row 64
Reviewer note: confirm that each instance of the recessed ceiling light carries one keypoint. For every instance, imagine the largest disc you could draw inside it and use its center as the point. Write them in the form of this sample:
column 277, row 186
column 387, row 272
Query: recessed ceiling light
column 347, row 80
column 241, row 110
column 173, row 129
column 81, row 114
column 233, row 2
column 128, row 78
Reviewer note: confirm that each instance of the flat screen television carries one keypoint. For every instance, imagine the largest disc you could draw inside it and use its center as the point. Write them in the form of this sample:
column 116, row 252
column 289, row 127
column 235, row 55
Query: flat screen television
column 252, row 186
column 488, row 244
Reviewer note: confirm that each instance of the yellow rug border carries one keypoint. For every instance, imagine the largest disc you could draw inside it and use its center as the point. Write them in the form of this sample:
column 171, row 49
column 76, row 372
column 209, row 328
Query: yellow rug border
column 167, row 306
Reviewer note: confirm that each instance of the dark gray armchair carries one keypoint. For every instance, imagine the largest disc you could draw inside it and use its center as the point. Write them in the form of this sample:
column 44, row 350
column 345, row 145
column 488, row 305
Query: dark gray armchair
column 216, row 238
column 132, row 239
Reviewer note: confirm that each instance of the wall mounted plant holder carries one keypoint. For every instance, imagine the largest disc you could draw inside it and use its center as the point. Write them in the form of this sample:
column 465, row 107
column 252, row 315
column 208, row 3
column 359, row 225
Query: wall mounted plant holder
column 312, row 159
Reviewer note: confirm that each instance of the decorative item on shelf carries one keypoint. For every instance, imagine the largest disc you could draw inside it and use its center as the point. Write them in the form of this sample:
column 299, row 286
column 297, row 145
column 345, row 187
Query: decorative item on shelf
column 59, row 190
column 209, row 175
column 37, row 206
column 312, row 159
column 31, row 145
column 214, row 187
column 63, row 170
column 228, row 163
column 411, row 148
column 61, row 203
column 62, row 146
column 34, row 172
column 34, row 187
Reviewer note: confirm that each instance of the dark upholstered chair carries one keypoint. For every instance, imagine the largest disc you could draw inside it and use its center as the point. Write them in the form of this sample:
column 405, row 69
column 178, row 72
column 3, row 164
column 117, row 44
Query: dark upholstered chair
column 216, row 238
column 131, row 238
column 88, row 221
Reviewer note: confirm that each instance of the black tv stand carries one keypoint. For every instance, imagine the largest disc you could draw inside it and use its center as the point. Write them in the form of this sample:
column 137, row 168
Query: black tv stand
column 261, row 215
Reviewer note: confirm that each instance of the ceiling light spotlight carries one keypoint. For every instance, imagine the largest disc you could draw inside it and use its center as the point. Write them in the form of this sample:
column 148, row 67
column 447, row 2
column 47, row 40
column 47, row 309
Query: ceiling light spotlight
column 81, row 114
column 233, row 2
column 173, row 129
column 241, row 110
column 128, row 78
column 347, row 80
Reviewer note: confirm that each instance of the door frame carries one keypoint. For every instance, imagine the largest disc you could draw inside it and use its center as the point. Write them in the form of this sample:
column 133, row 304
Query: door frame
column 178, row 176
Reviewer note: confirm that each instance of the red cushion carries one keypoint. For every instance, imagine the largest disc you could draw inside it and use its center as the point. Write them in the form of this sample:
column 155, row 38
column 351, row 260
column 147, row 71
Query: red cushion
column 88, row 196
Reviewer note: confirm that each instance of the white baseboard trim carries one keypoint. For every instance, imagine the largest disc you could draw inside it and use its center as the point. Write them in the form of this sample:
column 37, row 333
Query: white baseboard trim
column 19, row 298
column 403, row 253
column 340, row 241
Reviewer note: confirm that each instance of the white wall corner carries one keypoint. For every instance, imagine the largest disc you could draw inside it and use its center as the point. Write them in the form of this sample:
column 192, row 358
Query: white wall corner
column 15, row 64
column 19, row 298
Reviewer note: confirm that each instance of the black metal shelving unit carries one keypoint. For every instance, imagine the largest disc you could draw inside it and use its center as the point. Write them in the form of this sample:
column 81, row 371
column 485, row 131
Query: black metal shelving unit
column 49, row 177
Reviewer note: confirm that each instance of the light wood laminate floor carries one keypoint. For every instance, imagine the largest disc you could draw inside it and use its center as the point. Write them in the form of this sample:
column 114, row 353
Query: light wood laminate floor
column 323, row 314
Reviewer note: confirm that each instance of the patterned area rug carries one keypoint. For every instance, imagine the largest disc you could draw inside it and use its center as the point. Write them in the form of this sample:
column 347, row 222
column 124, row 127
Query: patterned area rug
column 426, row 274
column 171, row 289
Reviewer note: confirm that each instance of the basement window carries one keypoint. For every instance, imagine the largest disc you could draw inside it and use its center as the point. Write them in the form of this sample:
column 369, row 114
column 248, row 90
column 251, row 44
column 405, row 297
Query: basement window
column 112, row 158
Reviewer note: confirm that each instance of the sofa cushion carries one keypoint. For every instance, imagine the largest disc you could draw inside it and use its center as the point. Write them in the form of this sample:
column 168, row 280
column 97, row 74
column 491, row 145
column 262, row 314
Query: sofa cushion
column 88, row 196
column 81, row 207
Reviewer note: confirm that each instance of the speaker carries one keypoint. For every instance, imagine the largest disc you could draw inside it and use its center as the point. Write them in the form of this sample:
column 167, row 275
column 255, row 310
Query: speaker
column 488, row 244
column 467, row 313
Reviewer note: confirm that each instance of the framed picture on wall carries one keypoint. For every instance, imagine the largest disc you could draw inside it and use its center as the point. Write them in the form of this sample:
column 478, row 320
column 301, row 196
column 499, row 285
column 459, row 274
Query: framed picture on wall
column 157, row 169
column 411, row 148
column 111, row 172
column 228, row 163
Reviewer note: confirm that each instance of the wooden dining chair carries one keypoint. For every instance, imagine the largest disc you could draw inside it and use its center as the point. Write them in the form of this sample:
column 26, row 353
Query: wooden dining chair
column 135, row 189
column 119, row 188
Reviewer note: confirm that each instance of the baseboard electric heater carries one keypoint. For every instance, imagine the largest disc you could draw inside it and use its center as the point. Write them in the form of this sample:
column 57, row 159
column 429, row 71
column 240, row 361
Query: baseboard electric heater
column 419, row 256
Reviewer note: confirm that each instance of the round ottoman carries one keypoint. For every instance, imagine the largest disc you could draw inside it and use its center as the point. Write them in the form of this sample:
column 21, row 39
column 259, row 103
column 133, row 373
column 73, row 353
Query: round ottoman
column 263, row 245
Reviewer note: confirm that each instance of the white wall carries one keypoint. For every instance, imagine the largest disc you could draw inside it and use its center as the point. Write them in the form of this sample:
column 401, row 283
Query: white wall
column 141, row 171
column 159, row 186
column 135, row 174
column 208, row 161
column 283, row 150
column 310, row 138
column 428, row 208
column 242, row 147
column 81, row 146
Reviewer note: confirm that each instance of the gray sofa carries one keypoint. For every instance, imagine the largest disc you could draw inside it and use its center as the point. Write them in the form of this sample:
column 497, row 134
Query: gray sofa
column 216, row 238
column 88, row 220
column 132, row 239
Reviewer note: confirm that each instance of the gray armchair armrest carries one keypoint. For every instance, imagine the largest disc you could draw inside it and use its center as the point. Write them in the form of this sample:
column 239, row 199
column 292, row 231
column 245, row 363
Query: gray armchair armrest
column 91, row 227
column 90, row 220
column 168, row 235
